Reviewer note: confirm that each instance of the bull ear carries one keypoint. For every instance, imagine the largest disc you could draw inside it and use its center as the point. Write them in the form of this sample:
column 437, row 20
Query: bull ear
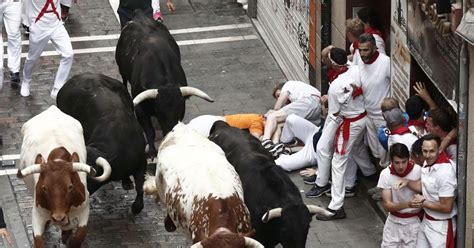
column 39, row 159
column 74, row 157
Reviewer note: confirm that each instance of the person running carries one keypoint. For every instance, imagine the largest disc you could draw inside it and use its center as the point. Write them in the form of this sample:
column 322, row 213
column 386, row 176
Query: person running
column 46, row 25
column 10, row 14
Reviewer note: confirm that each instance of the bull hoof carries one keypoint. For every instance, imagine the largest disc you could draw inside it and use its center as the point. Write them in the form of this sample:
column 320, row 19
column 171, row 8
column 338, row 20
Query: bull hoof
column 137, row 207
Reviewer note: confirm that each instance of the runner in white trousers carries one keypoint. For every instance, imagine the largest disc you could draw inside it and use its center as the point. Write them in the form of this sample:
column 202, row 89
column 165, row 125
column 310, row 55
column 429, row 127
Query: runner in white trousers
column 10, row 17
column 375, row 78
column 348, row 104
column 325, row 149
column 46, row 25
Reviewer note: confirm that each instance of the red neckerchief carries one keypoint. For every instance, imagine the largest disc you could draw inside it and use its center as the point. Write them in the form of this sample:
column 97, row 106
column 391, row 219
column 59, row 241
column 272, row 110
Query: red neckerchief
column 443, row 158
column 401, row 130
column 373, row 58
column 372, row 30
column 333, row 74
column 407, row 171
column 355, row 46
column 416, row 123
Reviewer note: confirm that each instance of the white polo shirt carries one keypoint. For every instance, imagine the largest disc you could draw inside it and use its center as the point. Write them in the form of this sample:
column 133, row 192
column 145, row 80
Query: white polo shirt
column 298, row 90
column 437, row 181
column 407, row 139
column 387, row 180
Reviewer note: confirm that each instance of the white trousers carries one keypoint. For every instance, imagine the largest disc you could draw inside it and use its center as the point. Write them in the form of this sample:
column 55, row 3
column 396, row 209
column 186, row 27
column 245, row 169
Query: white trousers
column 24, row 15
column 10, row 16
column 373, row 125
column 340, row 161
column 39, row 37
column 433, row 233
column 396, row 235
column 298, row 127
column 324, row 155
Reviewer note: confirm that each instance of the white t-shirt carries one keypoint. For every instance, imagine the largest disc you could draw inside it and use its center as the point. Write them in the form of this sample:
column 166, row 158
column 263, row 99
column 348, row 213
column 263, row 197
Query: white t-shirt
column 375, row 80
column 203, row 124
column 298, row 90
column 387, row 180
column 49, row 19
column 407, row 139
column 340, row 98
column 438, row 181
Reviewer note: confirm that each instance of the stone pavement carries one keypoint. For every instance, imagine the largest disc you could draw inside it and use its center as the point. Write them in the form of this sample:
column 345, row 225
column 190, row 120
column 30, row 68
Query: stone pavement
column 239, row 75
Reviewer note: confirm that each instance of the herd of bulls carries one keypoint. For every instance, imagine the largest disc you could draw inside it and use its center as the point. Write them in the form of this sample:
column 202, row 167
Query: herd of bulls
column 225, row 191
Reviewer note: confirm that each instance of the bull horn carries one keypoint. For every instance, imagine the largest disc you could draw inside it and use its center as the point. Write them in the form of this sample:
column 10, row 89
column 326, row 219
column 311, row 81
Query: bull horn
column 36, row 168
column 107, row 169
column 252, row 243
column 147, row 94
column 318, row 210
column 271, row 214
column 84, row 168
column 197, row 245
column 191, row 91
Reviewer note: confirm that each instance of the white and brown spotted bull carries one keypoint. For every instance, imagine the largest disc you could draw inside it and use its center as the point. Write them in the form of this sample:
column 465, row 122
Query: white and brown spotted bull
column 54, row 152
column 201, row 191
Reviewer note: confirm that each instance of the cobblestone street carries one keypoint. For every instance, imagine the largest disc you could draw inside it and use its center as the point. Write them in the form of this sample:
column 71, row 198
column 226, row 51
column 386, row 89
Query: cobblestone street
column 226, row 58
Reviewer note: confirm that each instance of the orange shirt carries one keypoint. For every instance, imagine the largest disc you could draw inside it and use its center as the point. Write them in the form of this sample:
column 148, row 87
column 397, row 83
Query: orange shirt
column 253, row 122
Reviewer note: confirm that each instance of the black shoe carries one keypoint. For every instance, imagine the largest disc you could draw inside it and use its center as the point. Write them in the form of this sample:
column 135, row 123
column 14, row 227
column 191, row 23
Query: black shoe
column 317, row 191
column 310, row 180
column 25, row 28
column 279, row 149
column 349, row 192
column 338, row 214
column 15, row 77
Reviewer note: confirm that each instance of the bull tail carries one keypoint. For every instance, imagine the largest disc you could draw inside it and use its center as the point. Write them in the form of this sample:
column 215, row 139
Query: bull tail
column 149, row 187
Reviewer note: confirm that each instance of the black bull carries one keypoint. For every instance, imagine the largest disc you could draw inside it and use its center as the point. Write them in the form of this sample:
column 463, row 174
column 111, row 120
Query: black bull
column 149, row 58
column 105, row 110
column 277, row 211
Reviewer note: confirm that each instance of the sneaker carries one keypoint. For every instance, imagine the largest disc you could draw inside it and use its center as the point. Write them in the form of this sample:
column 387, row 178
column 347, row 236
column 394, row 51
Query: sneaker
column 337, row 214
column 349, row 192
column 311, row 180
column 317, row 191
column 377, row 196
column 277, row 149
column 25, row 89
column 26, row 29
column 15, row 77
column 267, row 144
column 373, row 190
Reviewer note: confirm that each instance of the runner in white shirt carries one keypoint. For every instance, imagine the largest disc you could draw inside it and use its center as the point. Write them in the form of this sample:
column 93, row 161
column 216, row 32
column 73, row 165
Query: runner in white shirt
column 324, row 151
column 348, row 103
column 46, row 25
column 438, row 185
column 10, row 17
column 415, row 109
column 304, row 101
column 403, row 222
column 375, row 77
column 441, row 122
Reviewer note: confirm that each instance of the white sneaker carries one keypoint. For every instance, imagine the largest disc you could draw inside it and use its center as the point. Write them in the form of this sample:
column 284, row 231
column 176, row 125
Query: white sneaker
column 25, row 89
column 54, row 93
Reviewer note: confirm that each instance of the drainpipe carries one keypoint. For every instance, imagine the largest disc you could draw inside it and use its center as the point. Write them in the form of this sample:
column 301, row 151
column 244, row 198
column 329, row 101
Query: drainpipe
column 325, row 39
column 462, row 145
